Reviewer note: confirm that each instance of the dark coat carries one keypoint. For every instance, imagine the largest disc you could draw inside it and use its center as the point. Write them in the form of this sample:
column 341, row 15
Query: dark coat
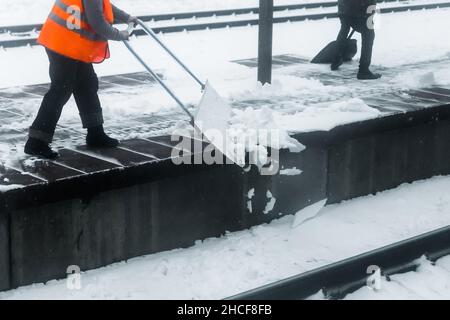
column 356, row 8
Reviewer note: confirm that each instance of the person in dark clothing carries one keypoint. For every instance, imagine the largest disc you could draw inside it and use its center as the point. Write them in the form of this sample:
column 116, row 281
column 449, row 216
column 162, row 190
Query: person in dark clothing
column 356, row 14
column 71, row 72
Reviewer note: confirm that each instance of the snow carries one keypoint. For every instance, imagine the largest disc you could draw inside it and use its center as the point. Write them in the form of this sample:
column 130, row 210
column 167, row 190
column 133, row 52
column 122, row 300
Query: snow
column 429, row 282
column 255, row 130
column 290, row 172
column 18, row 12
column 326, row 116
column 417, row 79
column 308, row 213
column 221, row 267
column 211, row 59
column 5, row 188
column 270, row 203
column 250, row 195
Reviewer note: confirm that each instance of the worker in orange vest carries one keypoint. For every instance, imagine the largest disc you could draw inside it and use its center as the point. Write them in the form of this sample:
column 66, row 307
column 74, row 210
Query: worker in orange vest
column 75, row 36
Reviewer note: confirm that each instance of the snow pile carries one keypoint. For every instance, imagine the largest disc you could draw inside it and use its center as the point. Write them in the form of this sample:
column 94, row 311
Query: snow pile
column 255, row 130
column 416, row 79
column 249, row 131
column 250, row 121
column 325, row 116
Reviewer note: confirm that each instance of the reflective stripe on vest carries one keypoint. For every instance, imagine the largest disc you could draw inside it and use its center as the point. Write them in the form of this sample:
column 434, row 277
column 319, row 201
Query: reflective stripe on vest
column 82, row 32
column 68, row 33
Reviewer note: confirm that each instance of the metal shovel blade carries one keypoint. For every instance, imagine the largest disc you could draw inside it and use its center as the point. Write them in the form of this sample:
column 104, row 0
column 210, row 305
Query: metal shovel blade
column 212, row 117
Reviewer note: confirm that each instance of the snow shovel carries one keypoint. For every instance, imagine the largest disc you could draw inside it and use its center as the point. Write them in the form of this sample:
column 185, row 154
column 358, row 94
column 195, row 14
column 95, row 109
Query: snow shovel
column 212, row 114
column 326, row 55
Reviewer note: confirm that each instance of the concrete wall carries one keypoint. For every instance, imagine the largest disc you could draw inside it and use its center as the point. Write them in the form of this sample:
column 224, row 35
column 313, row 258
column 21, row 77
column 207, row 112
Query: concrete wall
column 292, row 192
column 109, row 227
column 381, row 160
column 120, row 224
column 4, row 252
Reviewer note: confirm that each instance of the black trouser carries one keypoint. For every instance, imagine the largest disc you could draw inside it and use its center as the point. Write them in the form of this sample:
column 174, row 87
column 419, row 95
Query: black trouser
column 68, row 77
column 359, row 24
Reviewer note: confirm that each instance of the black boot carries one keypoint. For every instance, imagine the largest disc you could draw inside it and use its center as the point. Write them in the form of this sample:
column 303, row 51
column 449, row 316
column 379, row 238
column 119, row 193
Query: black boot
column 366, row 74
column 97, row 138
column 39, row 148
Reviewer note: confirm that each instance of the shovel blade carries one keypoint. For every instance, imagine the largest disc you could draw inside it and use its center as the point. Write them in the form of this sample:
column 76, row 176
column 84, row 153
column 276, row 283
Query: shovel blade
column 212, row 117
column 327, row 54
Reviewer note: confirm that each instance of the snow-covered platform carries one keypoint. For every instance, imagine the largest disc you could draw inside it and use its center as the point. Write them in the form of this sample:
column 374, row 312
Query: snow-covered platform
column 94, row 207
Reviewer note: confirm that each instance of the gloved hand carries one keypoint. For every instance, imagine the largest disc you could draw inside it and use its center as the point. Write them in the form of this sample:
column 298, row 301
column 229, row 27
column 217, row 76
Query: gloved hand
column 124, row 35
column 133, row 19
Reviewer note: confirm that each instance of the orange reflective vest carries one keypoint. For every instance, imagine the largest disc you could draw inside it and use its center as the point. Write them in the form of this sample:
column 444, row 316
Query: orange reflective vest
column 68, row 33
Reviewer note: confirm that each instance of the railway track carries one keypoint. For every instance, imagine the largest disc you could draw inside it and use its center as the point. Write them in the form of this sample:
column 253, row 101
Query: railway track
column 340, row 278
column 24, row 35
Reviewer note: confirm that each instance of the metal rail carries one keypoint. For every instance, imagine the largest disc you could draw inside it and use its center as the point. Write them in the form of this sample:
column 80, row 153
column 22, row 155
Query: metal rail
column 20, row 30
column 341, row 278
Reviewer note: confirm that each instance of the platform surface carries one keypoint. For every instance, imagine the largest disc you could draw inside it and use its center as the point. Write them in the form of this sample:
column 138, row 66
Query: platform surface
column 150, row 142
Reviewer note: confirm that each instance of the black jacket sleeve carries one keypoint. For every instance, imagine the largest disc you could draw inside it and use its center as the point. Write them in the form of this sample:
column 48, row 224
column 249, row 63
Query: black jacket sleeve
column 119, row 15
column 358, row 8
column 96, row 19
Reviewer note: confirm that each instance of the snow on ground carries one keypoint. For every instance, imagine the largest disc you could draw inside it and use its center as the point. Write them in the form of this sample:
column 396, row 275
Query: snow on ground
column 402, row 38
column 221, row 267
column 429, row 281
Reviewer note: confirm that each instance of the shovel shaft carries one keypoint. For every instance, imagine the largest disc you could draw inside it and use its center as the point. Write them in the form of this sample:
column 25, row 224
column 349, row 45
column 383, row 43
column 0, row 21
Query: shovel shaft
column 351, row 34
column 155, row 37
column 158, row 79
